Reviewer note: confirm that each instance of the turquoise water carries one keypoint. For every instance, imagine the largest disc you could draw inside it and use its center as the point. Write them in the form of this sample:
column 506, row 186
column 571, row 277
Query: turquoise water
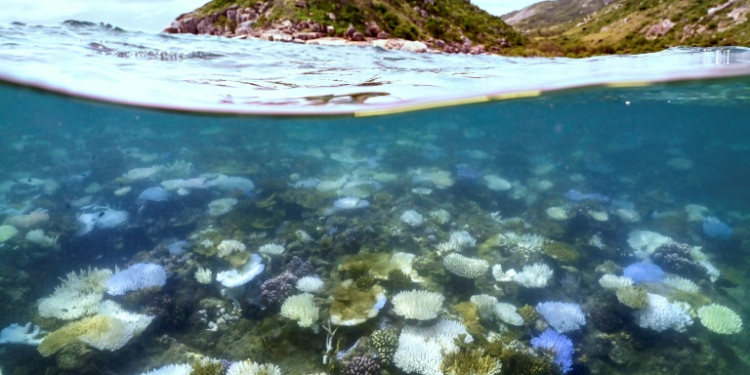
column 585, row 182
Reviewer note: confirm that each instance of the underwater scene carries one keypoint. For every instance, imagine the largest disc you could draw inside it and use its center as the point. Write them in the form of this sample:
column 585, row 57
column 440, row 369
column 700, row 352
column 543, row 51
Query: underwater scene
column 599, row 230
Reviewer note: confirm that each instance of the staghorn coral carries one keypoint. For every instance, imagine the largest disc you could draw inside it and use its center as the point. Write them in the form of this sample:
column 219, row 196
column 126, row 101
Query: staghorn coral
column 365, row 282
column 398, row 280
column 528, row 313
column 470, row 362
column 659, row 314
column 635, row 297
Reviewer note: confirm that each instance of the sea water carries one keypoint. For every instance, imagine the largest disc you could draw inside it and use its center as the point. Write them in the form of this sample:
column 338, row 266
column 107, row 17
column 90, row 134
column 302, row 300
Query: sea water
column 337, row 164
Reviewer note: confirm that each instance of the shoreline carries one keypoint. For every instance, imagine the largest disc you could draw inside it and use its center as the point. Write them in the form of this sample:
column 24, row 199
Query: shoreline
column 237, row 22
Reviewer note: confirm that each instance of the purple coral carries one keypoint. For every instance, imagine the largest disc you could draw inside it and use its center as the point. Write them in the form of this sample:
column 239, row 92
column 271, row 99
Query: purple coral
column 299, row 267
column 675, row 258
column 558, row 344
column 274, row 291
column 361, row 366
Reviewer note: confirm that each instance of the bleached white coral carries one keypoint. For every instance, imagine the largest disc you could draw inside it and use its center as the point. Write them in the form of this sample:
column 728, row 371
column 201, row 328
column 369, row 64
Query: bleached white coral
column 38, row 237
column 79, row 295
column 525, row 244
column 232, row 183
column 249, row 271
column 460, row 265
column 249, row 367
column 534, row 276
column 412, row 218
column 417, row 355
column 221, row 206
column 644, row 242
column 660, row 314
column 121, row 327
column 444, row 332
column 508, row 314
column 417, row 304
column 310, row 284
column 496, row 183
column 681, row 283
column 227, row 247
column 300, row 308
column 180, row 369
column 203, row 275
column 502, row 276
column 458, row 240
column 142, row 173
column 17, row 334
column 611, row 281
column 720, row 319
column 136, row 277
column 272, row 249
column 485, row 305
column 562, row 316
column 711, row 270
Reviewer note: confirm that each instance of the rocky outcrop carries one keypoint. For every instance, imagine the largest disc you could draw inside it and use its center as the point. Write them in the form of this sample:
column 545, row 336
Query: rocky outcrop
column 252, row 23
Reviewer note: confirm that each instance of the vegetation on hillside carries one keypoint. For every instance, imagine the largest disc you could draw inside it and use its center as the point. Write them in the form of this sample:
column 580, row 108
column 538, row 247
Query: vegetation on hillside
column 553, row 14
column 448, row 20
column 639, row 26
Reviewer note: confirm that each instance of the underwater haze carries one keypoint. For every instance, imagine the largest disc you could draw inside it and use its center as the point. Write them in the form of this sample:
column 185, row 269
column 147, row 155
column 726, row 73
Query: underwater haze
column 177, row 204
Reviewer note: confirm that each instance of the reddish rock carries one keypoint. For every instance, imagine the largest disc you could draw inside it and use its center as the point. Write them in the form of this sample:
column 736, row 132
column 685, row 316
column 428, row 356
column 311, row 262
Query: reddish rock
column 439, row 43
column 315, row 27
column 205, row 27
column 358, row 37
column 350, row 31
column 372, row 29
column 173, row 28
column 188, row 25
column 330, row 30
column 244, row 28
column 383, row 35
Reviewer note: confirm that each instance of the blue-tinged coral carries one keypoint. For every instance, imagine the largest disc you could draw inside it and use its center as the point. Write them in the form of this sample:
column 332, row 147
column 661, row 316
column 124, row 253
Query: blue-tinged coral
column 154, row 194
column 562, row 316
column 559, row 345
column 136, row 277
column 644, row 273
column 716, row 229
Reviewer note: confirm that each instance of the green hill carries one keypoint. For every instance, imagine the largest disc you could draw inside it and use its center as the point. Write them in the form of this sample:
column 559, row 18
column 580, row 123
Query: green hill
column 638, row 26
column 553, row 14
column 452, row 21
